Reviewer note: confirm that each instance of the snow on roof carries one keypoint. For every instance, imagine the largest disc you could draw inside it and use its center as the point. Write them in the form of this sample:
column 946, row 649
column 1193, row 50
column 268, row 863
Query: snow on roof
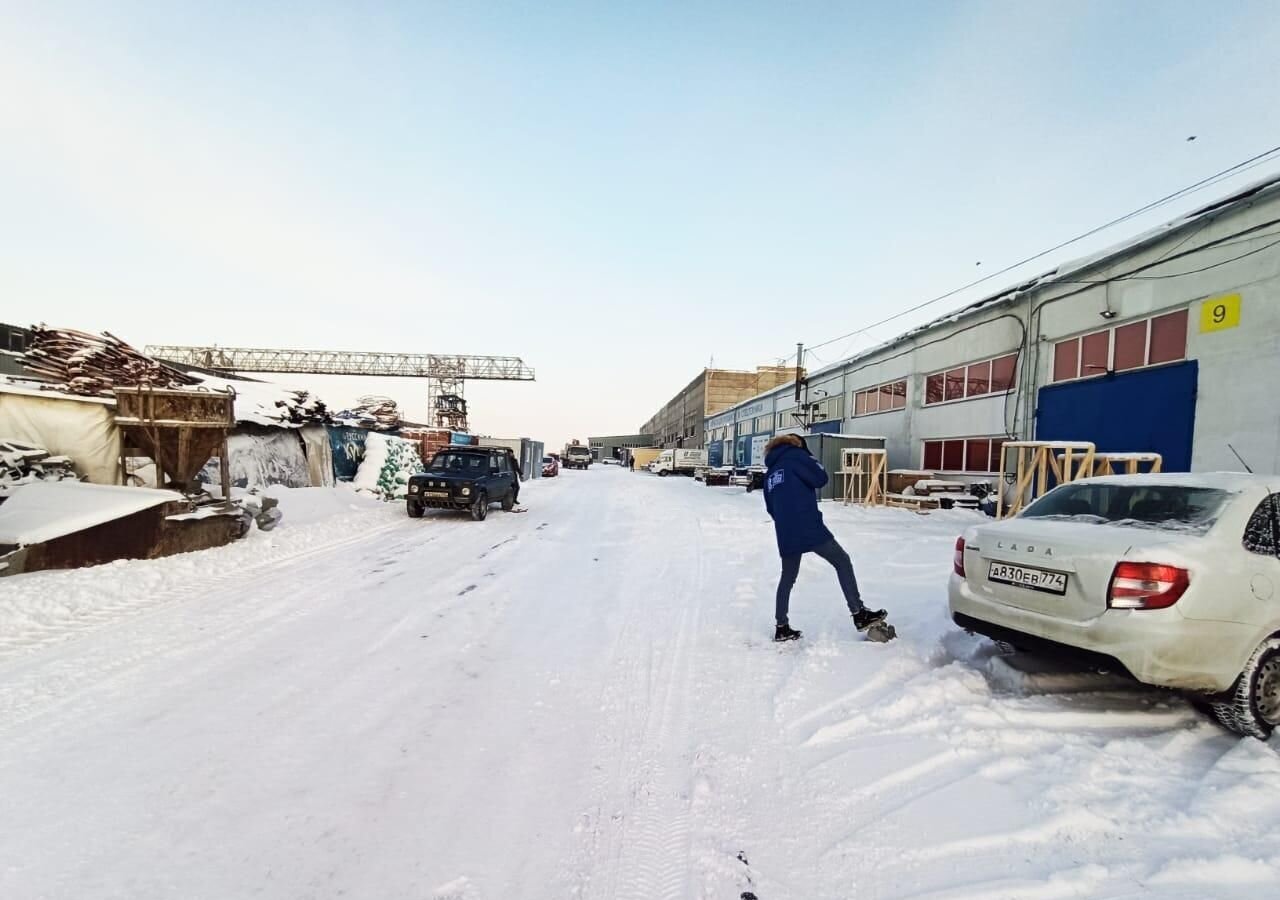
column 46, row 510
column 258, row 402
column 28, row 387
column 1270, row 184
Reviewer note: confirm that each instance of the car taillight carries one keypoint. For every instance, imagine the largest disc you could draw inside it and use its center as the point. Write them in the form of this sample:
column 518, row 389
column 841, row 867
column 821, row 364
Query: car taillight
column 958, row 562
column 1137, row 585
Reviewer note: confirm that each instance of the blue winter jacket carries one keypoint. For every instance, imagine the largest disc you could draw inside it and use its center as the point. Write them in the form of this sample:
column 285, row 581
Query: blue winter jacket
column 790, row 495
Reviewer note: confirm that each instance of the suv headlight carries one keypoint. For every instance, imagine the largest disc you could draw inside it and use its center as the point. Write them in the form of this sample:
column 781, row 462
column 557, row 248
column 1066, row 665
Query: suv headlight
column 466, row 490
column 413, row 489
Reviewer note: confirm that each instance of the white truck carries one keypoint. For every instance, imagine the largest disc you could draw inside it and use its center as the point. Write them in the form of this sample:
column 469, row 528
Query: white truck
column 679, row 461
column 576, row 456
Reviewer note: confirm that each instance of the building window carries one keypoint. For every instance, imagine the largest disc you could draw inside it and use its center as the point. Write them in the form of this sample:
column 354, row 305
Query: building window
column 976, row 454
column 979, row 379
column 1147, row 342
column 881, row 398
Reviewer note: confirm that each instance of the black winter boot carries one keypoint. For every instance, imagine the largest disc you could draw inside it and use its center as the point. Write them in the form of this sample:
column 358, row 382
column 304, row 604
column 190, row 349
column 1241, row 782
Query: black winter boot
column 785, row 633
column 865, row 618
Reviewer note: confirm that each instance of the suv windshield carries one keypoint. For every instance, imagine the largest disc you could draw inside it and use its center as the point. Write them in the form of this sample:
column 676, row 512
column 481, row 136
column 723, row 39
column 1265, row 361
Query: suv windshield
column 459, row 462
column 1166, row 507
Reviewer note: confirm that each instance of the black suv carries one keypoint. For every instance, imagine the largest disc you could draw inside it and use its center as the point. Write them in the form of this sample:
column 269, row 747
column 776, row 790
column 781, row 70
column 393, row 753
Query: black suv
column 468, row 478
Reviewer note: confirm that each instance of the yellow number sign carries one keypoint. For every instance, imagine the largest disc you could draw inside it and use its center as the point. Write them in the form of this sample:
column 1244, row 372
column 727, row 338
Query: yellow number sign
column 1219, row 313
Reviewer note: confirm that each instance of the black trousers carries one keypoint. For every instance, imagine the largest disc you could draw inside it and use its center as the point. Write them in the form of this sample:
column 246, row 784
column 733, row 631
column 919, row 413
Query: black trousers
column 833, row 553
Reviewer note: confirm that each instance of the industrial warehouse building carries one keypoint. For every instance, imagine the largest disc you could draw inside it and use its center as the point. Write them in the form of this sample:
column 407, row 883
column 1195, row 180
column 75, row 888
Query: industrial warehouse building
column 1167, row 343
column 680, row 423
column 611, row 447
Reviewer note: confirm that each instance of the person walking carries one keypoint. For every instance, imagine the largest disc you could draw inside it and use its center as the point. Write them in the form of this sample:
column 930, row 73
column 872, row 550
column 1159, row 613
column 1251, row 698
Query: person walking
column 790, row 495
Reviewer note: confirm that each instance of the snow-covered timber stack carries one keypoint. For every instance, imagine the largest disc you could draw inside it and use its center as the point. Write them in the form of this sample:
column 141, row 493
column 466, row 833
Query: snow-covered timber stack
column 93, row 365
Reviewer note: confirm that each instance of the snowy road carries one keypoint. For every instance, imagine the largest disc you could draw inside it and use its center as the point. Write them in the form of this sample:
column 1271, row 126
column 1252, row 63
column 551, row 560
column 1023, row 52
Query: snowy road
column 582, row 702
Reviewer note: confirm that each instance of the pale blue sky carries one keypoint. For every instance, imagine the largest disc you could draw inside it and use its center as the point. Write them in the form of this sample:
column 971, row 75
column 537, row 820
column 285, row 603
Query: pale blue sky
column 616, row 192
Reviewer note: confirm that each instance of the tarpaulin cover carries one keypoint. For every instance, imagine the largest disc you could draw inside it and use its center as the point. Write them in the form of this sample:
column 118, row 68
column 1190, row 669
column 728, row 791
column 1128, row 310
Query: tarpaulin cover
column 50, row 509
column 84, row 430
column 262, row 457
column 315, row 441
column 346, row 444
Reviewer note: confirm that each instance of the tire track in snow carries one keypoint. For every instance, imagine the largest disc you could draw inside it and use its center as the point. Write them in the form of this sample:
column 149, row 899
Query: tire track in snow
column 230, row 603
column 637, row 835
column 141, row 604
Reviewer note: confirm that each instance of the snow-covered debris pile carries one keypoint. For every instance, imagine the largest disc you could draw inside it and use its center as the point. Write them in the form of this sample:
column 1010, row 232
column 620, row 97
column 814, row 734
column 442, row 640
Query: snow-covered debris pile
column 91, row 364
column 264, row 403
column 388, row 463
column 374, row 412
column 22, row 464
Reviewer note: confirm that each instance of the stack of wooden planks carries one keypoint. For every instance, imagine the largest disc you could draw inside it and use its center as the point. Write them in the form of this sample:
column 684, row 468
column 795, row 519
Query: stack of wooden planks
column 93, row 365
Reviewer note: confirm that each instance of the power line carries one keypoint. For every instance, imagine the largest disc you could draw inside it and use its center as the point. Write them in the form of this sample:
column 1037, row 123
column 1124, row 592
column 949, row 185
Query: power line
column 1251, row 162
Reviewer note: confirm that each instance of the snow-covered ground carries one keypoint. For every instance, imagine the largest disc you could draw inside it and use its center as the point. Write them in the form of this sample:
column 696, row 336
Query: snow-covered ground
column 582, row 701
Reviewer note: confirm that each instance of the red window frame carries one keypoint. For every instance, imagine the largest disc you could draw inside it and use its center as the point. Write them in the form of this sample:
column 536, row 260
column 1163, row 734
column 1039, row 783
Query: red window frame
column 880, row 398
column 1152, row 341
column 977, row 455
column 983, row 378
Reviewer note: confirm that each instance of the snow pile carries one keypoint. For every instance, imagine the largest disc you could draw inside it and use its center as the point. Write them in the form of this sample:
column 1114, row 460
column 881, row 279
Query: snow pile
column 50, row 607
column 45, row 510
column 264, row 403
column 22, row 464
column 388, row 463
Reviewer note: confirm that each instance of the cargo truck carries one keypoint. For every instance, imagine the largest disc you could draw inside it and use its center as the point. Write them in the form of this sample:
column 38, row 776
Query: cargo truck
column 576, row 456
column 678, row 461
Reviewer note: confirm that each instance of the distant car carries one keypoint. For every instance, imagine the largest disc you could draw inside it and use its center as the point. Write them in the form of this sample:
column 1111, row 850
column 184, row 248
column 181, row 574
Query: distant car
column 466, row 478
column 550, row 467
column 610, row 461
column 1174, row 579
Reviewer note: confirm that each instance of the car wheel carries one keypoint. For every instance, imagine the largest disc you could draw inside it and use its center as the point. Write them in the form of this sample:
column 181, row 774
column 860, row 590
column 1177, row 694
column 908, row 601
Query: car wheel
column 414, row 507
column 1253, row 706
column 509, row 501
column 662, row 474
column 480, row 508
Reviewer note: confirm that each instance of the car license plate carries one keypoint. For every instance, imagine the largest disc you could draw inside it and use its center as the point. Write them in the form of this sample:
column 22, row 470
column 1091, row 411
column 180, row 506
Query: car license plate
column 437, row 495
column 1034, row 579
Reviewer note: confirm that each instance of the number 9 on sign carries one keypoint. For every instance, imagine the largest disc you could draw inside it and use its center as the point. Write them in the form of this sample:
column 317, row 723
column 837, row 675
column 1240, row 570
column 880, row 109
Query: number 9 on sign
column 1220, row 313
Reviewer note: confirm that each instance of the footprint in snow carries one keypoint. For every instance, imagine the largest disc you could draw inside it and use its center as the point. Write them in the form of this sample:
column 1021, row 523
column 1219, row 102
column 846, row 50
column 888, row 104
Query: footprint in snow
column 466, row 590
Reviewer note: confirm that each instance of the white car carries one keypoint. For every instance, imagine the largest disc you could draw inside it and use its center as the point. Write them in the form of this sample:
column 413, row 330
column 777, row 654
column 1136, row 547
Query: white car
column 1173, row 578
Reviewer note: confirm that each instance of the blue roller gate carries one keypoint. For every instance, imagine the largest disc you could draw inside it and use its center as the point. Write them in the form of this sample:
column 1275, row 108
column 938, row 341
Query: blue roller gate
column 1150, row 410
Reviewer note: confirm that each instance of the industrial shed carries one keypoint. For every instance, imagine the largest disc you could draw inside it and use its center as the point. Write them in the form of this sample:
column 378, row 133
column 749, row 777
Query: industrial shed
column 1168, row 342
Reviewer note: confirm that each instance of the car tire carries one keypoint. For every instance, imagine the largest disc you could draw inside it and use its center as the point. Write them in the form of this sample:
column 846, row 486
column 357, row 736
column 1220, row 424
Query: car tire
column 509, row 501
column 662, row 474
column 414, row 508
column 1252, row 707
column 480, row 508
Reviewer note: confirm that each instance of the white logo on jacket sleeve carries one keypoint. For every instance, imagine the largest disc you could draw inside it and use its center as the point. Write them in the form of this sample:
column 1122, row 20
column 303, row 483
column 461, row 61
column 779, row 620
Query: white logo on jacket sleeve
column 776, row 479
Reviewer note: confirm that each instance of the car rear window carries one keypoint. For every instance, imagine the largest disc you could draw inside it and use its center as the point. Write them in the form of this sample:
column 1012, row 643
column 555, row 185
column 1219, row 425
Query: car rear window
column 1164, row 507
column 458, row 462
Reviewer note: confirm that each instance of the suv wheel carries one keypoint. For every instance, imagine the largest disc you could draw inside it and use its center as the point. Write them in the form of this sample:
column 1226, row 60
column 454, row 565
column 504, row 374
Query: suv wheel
column 480, row 508
column 509, row 501
column 414, row 507
column 1253, row 705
